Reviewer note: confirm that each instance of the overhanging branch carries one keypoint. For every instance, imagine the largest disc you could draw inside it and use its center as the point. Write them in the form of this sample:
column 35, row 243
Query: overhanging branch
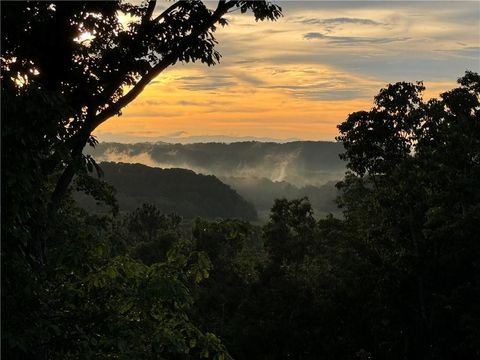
column 169, row 59
column 149, row 12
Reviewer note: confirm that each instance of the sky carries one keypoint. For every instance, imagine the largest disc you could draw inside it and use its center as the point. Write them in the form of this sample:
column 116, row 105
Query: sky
column 298, row 77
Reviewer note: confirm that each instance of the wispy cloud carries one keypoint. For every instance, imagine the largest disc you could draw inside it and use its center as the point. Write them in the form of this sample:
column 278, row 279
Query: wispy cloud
column 248, row 78
column 331, row 25
column 150, row 114
column 153, row 102
column 352, row 40
column 177, row 134
column 325, row 84
column 337, row 21
column 202, row 83
column 205, row 103
column 472, row 52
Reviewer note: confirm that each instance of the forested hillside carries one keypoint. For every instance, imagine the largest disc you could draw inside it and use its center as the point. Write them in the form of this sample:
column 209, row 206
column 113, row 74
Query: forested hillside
column 177, row 191
column 259, row 172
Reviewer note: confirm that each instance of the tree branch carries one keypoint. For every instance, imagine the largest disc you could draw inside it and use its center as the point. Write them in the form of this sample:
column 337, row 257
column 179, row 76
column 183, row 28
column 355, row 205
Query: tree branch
column 167, row 11
column 169, row 59
column 81, row 138
column 149, row 12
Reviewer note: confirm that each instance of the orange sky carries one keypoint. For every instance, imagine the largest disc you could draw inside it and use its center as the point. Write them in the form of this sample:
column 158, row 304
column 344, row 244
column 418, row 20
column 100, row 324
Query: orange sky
column 299, row 77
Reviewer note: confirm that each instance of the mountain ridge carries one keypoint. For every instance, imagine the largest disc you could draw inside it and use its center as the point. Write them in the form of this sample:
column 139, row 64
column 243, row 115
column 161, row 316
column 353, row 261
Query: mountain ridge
column 181, row 191
column 300, row 163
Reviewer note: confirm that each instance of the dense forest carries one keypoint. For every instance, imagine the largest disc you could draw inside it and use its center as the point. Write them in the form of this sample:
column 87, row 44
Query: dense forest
column 397, row 276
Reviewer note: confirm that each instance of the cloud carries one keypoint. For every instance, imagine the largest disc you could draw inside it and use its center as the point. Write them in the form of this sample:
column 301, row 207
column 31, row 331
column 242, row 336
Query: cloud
column 352, row 40
column 472, row 52
column 191, row 78
column 177, row 134
column 247, row 61
column 339, row 21
column 319, row 83
column 204, row 83
column 206, row 103
column 323, row 92
column 314, row 35
column 189, row 103
column 328, row 95
column 154, row 102
column 150, row 114
column 329, row 25
column 212, row 82
column 250, row 79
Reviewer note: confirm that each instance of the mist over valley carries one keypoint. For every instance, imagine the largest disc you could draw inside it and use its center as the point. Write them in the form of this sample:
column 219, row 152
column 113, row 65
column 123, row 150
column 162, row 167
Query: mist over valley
column 299, row 163
column 260, row 172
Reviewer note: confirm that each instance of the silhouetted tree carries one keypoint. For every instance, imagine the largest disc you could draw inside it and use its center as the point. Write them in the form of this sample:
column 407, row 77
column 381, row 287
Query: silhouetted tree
column 413, row 199
column 66, row 67
column 82, row 54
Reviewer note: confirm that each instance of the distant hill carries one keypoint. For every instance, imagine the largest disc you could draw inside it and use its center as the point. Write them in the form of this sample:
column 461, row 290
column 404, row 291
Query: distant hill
column 300, row 163
column 173, row 190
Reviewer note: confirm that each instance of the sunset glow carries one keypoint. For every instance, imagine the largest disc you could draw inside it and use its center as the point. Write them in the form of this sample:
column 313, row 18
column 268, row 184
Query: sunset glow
column 299, row 77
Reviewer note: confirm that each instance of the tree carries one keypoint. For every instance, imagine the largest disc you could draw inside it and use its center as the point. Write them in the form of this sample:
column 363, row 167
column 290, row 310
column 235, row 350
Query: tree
column 94, row 65
column 224, row 299
column 413, row 199
column 93, row 300
column 152, row 233
column 66, row 67
column 290, row 229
